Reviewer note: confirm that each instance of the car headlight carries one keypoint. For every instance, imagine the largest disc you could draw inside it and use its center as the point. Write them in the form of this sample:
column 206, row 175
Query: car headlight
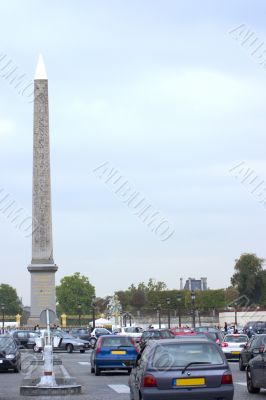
column 80, row 344
column 10, row 356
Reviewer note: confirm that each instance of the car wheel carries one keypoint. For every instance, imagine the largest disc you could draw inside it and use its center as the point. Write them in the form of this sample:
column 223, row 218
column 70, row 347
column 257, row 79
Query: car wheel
column 129, row 371
column 36, row 349
column 82, row 351
column 97, row 371
column 69, row 348
column 92, row 369
column 241, row 365
column 250, row 387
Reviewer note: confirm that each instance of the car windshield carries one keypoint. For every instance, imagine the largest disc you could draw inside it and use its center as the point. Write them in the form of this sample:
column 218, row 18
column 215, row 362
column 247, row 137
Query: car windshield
column 236, row 339
column 179, row 355
column 118, row 341
column 7, row 344
column 102, row 330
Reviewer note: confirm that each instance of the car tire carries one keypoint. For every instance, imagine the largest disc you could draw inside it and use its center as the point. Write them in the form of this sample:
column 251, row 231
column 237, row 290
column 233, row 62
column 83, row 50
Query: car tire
column 129, row 371
column 241, row 364
column 82, row 351
column 97, row 371
column 92, row 370
column 69, row 348
column 36, row 349
column 250, row 387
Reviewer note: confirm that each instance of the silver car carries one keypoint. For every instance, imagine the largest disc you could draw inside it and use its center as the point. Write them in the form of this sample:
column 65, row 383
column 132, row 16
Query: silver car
column 233, row 344
column 189, row 368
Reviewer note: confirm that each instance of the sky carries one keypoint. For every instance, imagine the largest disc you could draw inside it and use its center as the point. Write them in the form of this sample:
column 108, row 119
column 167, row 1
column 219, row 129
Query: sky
column 162, row 92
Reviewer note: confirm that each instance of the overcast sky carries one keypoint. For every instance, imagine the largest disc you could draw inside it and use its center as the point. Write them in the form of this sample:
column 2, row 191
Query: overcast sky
column 167, row 96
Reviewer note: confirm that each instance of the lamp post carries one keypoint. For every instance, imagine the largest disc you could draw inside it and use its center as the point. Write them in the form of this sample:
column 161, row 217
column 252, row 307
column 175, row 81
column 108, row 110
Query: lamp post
column 235, row 316
column 3, row 313
column 93, row 311
column 79, row 312
column 179, row 298
column 168, row 301
column 193, row 297
column 159, row 314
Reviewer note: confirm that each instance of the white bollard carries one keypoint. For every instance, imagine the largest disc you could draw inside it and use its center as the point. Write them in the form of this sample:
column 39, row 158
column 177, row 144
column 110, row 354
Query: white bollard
column 48, row 379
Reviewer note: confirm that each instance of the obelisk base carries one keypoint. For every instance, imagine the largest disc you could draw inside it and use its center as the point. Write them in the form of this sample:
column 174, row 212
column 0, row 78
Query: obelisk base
column 42, row 290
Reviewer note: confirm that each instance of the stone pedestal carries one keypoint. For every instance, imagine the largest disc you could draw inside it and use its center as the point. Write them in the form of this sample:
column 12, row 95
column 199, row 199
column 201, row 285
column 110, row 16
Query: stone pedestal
column 42, row 290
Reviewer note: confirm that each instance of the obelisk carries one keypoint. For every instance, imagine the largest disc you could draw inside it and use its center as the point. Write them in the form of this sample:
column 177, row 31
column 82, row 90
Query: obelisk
column 42, row 267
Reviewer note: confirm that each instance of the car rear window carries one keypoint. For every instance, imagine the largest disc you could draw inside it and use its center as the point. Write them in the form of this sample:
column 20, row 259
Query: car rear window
column 179, row 355
column 6, row 343
column 236, row 339
column 117, row 341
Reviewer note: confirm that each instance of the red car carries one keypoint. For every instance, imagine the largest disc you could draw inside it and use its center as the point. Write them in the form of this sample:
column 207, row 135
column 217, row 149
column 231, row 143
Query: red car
column 182, row 332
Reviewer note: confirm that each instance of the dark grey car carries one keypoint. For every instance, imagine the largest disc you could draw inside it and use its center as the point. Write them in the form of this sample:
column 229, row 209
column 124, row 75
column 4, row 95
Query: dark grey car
column 191, row 368
column 251, row 350
column 255, row 372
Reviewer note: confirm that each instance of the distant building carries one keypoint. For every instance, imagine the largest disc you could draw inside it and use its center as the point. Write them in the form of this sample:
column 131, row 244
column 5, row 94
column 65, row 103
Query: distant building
column 194, row 284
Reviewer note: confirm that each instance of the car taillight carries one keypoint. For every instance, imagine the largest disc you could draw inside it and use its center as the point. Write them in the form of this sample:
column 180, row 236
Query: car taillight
column 226, row 379
column 149, row 381
column 224, row 344
column 98, row 348
column 218, row 341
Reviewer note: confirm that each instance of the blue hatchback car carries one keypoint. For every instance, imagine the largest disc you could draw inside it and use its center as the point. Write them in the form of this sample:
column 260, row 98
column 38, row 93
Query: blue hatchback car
column 113, row 352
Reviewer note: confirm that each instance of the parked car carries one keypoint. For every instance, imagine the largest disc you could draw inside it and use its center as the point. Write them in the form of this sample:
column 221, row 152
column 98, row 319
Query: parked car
column 63, row 341
column 254, row 328
column 251, row 350
column 154, row 334
column 22, row 337
column 189, row 368
column 133, row 331
column 232, row 345
column 10, row 356
column 96, row 333
column 255, row 372
column 113, row 352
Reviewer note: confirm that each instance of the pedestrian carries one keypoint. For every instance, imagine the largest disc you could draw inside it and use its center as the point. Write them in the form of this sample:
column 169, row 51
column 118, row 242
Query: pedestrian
column 225, row 327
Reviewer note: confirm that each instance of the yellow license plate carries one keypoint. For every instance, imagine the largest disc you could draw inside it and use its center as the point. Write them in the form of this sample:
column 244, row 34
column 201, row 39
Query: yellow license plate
column 190, row 381
column 119, row 352
column 235, row 352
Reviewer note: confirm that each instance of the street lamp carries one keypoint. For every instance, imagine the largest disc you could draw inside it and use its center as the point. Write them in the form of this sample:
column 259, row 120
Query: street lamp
column 93, row 305
column 179, row 298
column 3, row 313
column 168, row 301
column 79, row 312
column 159, row 314
column 193, row 297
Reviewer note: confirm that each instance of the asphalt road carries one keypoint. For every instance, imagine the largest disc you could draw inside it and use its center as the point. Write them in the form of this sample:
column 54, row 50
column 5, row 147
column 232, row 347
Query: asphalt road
column 111, row 386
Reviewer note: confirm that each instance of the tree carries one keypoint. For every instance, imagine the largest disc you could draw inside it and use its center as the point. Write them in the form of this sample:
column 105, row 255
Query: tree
column 248, row 277
column 154, row 286
column 10, row 299
column 72, row 291
column 138, row 298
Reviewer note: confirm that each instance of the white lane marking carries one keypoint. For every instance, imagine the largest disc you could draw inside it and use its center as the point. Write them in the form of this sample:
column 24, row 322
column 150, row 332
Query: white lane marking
column 120, row 388
column 241, row 383
column 84, row 363
column 64, row 371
